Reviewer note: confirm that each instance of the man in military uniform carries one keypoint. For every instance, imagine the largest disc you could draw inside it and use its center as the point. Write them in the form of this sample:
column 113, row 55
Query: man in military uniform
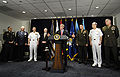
column 21, row 42
column 111, row 33
column 95, row 37
column 82, row 43
column 33, row 42
column 9, row 38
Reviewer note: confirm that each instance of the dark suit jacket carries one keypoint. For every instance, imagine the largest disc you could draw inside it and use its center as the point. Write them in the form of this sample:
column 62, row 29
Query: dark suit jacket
column 44, row 38
column 64, row 33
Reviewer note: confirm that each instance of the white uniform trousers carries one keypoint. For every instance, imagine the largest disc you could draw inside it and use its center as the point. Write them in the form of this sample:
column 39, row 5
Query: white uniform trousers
column 33, row 47
column 96, row 49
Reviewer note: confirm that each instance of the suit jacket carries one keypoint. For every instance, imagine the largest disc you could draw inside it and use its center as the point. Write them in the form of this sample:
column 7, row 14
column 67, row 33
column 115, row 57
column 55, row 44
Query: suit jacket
column 44, row 38
column 64, row 33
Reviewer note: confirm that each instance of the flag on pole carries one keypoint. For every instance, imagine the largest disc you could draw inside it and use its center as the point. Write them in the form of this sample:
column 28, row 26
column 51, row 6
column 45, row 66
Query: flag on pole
column 83, row 22
column 57, row 27
column 52, row 28
column 65, row 24
column 72, row 49
column 61, row 21
column 77, row 27
column 52, row 33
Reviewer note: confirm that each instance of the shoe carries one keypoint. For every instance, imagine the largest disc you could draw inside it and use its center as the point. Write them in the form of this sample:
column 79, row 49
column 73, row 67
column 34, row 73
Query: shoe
column 10, row 61
column 35, row 59
column 94, row 64
column 29, row 60
column 99, row 65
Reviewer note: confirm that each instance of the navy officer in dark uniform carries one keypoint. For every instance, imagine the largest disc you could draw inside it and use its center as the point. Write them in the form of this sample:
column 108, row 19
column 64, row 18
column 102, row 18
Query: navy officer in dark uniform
column 21, row 42
column 9, row 38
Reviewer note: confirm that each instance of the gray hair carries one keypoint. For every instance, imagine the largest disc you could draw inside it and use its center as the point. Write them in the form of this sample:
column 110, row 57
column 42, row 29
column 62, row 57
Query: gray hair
column 95, row 23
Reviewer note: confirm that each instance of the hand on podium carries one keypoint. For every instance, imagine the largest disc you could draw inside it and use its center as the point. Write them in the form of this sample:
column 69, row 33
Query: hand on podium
column 48, row 34
column 73, row 36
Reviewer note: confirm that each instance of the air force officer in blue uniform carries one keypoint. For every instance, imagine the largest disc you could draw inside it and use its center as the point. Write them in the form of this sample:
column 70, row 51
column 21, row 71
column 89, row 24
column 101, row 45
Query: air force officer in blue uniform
column 21, row 42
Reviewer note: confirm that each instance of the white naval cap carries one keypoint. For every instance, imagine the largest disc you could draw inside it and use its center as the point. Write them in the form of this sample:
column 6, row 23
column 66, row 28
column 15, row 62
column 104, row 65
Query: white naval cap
column 22, row 27
column 95, row 23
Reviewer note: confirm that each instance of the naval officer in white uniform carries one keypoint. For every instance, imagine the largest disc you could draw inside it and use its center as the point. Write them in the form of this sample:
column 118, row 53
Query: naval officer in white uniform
column 95, row 37
column 33, row 42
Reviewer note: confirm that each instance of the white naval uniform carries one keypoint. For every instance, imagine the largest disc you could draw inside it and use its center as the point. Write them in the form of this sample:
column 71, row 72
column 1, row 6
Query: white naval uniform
column 95, row 35
column 33, row 44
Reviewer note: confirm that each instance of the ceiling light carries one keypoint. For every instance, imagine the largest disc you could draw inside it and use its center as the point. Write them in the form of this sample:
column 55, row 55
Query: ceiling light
column 23, row 12
column 96, row 7
column 45, row 10
column 35, row 18
column 4, row 1
column 92, row 15
column 69, row 9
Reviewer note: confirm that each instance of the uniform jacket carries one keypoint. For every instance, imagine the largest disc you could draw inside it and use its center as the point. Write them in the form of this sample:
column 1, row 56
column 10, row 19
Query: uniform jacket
column 110, row 35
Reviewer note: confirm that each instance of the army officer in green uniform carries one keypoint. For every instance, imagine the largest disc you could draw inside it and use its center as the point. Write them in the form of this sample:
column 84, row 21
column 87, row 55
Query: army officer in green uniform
column 82, row 43
column 111, row 33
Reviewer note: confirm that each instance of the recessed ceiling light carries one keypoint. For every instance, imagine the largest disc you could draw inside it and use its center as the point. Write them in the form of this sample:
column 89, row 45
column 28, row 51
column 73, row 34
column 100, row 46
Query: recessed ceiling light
column 69, row 9
column 92, row 15
column 96, row 7
column 35, row 18
column 45, row 10
column 23, row 12
column 4, row 1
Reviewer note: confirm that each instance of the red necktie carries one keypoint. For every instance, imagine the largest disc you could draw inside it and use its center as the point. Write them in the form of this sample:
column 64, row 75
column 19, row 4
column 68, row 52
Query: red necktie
column 61, row 33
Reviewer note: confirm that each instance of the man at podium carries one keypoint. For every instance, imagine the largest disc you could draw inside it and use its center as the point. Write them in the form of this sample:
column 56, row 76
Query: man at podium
column 64, row 32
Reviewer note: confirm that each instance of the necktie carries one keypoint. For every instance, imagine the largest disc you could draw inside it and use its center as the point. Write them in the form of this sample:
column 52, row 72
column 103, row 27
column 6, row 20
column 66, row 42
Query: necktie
column 61, row 33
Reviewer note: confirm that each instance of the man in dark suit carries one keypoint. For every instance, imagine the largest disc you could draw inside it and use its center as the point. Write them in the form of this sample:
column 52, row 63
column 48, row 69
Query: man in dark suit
column 9, row 38
column 64, row 45
column 44, row 41
column 21, row 42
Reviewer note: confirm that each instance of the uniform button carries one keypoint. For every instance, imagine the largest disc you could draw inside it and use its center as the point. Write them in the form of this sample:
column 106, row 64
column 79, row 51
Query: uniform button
column 108, row 35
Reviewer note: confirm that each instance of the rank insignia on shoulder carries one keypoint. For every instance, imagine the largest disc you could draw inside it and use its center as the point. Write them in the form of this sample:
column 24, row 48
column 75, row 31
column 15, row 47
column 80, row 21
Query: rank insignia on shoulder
column 84, row 32
column 112, row 28
column 104, row 28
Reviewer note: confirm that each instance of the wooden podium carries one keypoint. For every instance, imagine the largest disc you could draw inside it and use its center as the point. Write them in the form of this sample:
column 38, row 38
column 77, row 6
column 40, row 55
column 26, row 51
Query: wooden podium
column 58, row 64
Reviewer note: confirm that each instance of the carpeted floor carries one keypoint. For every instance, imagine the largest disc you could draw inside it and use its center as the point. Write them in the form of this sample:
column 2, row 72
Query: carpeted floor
column 34, row 69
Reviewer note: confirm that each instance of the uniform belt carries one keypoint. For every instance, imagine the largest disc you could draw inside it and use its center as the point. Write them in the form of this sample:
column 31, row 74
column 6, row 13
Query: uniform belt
column 94, row 39
column 33, row 40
